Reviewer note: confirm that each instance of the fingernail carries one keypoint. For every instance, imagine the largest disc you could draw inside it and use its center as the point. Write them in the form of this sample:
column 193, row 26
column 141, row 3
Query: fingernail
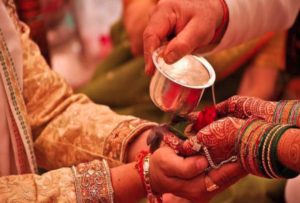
column 171, row 57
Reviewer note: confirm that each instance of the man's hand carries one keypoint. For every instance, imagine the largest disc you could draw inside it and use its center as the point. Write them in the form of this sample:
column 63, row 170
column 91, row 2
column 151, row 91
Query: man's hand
column 136, row 15
column 185, row 177
column 190, row 23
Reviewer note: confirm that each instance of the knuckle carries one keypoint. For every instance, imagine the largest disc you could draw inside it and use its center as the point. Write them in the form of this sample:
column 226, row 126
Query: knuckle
column 185, row 171
column 148, row 33
column 184, row 45
column 225, row 179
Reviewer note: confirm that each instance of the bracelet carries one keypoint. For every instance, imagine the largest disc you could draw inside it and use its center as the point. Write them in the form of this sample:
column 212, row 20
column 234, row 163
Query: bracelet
column 287, row 112
column 283, row 171
column 221, row 29
column 143, row 168
column 294, row 113
column 93, row 182
column 257, row 144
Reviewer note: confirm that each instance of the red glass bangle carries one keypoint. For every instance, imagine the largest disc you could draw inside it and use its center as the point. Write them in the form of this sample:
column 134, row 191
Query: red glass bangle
column 139, row 165
column 142, row 166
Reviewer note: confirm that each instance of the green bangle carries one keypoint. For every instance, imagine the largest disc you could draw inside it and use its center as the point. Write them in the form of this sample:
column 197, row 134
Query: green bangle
column 242, row 132
column 280, row 169
column 295, row 118
column 278, row 111
column 284, row 103
column 292, row 112
column 266, row 143
column 259, row 150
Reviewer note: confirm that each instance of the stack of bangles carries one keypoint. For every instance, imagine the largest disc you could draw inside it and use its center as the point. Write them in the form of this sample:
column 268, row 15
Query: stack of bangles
column 256, row 146
column 143, row 168
column 287, row 112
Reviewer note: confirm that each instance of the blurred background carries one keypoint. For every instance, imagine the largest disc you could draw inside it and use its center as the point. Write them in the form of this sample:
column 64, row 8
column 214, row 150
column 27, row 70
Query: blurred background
column 73, row 35
column 97, row 46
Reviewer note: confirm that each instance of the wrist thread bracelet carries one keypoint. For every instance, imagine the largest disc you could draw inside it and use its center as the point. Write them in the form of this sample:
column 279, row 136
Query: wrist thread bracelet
column 223, row 25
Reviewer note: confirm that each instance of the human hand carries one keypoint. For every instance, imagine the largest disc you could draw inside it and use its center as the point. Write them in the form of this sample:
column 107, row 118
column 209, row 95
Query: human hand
column 245, row 107
column 184, row 177
column 136, row 15
column 193, row 22
column 284, row 112
column 218, row 138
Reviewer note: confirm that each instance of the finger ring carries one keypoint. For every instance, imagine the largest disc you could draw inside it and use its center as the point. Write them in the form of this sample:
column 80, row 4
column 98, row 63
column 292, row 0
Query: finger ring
column 209, row 184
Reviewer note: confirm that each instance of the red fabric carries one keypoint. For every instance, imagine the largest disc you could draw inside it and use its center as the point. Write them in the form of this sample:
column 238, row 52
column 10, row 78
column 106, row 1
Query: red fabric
column 139, row 165
column 205, row 117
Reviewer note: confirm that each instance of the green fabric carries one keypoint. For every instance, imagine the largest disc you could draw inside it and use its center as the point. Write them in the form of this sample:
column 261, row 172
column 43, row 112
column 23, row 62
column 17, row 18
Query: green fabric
column 253, row 190
column 120, row 83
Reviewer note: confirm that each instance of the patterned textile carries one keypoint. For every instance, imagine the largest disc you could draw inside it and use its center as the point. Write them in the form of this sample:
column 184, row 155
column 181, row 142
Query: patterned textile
column 67, row 129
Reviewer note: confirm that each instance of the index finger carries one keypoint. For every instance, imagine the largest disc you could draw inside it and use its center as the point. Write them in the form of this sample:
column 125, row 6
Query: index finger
column 161, row 24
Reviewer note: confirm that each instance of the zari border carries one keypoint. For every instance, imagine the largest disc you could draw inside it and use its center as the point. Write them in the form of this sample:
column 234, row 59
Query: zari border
column 16, row 102
column 93, row 182
column 117, row 141
column 17, row 144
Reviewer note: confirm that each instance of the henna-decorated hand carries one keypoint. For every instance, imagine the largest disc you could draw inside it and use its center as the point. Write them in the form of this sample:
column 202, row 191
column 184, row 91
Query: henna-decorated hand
column 218, row 137
column 245, row 107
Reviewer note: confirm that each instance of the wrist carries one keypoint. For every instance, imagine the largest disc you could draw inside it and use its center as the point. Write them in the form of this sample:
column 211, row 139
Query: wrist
column 143, row 168
column 257, row 147
column 222, row 20
column 138, row 145
column 288, row 149
column 287, row 112
column 93, row 182
column 127, row 184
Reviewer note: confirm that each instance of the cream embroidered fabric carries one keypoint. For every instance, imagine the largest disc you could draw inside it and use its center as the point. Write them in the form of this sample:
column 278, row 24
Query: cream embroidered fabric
column 67, row 129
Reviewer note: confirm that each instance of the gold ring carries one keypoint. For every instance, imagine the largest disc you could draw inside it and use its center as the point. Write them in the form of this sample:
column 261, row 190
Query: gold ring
column 209, row 184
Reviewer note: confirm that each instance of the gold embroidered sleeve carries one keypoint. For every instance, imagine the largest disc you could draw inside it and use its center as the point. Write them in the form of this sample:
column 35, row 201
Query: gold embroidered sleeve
column 54, row 186
column 68, row 128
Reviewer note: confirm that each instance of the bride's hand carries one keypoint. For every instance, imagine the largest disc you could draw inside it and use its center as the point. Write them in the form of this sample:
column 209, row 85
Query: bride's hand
column 218, row 137
column 245, row 107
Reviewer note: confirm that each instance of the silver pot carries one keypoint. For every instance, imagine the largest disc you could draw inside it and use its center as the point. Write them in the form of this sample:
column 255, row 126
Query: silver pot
column 179, row 96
